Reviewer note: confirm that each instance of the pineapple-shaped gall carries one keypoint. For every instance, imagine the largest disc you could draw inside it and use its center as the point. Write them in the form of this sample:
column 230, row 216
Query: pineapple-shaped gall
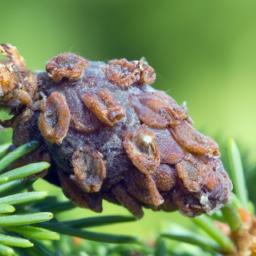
column 109, row 135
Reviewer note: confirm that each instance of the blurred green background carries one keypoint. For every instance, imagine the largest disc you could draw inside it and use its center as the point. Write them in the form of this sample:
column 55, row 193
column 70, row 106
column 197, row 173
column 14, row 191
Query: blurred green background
column 204, row 52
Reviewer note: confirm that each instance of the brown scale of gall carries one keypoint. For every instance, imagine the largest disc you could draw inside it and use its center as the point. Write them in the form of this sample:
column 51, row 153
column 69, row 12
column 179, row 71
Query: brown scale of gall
column 109, row 135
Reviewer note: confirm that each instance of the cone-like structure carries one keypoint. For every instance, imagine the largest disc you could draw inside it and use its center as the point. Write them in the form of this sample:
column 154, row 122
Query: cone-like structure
column 108, row 134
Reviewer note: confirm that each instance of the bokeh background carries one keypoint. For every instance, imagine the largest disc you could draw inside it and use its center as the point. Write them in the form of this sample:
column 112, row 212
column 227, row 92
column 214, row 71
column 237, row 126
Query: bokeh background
column 204, row 53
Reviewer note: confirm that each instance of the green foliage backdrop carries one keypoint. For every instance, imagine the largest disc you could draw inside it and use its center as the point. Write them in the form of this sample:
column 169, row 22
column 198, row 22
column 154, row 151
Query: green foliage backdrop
column 203, row 53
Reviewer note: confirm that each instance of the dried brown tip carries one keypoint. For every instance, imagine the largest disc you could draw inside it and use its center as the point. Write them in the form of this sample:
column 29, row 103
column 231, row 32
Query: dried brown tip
column 10, row 84
column 54, row 120
column 122, row 72
column 8, row 79
column 148, row 75
column 142, row 149
column 104, row 107
column 157, row 110
column 89, row 168
column 66, row 65
column 16, row 82
column 192, row 140
column 13, row 56
column 81, row 117
column 19, row 95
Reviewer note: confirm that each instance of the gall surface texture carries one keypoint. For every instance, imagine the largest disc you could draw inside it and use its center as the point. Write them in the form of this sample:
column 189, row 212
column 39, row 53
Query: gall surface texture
column 109, row 135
